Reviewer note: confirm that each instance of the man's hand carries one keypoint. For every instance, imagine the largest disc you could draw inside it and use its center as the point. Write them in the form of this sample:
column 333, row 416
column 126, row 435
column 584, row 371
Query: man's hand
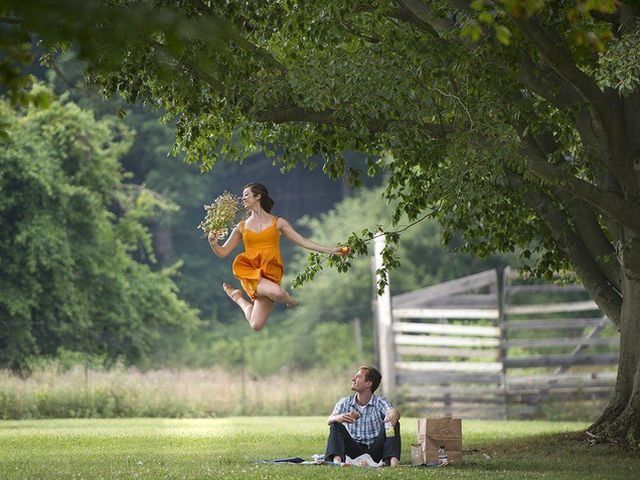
column 393, row 416
column 348, row 417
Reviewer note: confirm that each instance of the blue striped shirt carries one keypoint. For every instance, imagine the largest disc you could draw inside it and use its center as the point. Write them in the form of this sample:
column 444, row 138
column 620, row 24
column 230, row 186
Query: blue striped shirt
column 371, row 422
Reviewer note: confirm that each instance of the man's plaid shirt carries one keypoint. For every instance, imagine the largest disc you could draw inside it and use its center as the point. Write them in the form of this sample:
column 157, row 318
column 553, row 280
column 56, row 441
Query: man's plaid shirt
column 368, row 426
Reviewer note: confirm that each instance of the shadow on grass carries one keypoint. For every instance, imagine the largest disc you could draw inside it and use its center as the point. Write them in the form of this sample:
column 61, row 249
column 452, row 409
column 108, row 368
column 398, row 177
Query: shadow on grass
column 563, row 455
column 542, row 441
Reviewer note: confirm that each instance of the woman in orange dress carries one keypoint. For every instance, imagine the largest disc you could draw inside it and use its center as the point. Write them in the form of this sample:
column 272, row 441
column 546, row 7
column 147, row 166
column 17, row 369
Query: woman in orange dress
column 259, row 267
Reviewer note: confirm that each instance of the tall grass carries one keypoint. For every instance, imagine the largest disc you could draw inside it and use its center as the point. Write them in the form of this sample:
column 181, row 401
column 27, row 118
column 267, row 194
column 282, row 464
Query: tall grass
column 81, row 393
column 77, row 392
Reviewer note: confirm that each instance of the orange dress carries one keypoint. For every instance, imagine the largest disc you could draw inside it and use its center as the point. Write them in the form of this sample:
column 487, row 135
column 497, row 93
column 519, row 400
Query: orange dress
column 260, row 259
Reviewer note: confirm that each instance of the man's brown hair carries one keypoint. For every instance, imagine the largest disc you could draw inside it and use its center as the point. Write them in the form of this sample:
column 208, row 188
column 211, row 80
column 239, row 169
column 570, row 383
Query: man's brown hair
column 372, row 375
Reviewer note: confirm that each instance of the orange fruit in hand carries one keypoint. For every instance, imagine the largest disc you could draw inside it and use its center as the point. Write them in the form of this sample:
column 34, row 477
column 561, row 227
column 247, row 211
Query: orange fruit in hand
column 345, row 250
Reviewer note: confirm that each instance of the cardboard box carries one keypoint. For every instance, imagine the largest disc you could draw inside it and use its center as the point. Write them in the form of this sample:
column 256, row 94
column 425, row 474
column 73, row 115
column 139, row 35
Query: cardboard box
column 436, row 432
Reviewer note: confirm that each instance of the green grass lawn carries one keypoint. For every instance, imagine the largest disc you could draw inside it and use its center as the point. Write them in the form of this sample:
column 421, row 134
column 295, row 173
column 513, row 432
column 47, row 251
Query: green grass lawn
column 229, row 447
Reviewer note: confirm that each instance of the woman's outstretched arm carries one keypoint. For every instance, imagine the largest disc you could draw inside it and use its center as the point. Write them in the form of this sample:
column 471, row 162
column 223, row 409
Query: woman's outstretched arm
column 289, row 232
column 228, row 246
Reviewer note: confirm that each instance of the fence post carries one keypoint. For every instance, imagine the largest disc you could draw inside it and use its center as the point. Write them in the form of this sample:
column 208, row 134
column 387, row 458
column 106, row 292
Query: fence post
column 374, row 311
column 504, row 277
column 384, row 329
column 357, row 331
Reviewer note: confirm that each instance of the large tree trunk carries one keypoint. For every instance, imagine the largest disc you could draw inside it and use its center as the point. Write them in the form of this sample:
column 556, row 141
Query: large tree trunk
column 620, row 422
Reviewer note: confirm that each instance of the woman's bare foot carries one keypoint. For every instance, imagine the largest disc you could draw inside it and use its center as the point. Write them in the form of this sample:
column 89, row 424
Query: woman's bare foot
column 289, row 301
column 234, row 294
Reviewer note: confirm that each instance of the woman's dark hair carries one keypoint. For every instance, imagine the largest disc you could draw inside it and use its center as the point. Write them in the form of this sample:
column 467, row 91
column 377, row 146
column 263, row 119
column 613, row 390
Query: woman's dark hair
column 266, row 202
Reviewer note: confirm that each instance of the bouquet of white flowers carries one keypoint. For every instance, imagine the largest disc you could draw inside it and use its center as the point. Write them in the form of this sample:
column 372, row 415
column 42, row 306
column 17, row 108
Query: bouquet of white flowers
column 221, row 215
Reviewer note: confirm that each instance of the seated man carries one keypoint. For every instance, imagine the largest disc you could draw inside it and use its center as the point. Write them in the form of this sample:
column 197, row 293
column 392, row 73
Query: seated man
column 357, row 423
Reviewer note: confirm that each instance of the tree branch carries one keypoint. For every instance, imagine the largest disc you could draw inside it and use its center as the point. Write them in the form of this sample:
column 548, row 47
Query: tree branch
column 193, row 67
column 545, row 83
column 582, row 215
column 609, row 203
column 556, row 55
column 542, row 145
column 631, row 104
column 289, row 113
column 611, row 18
column 628, row 16
column 10, row 20
column 408, row 16
column 424, row 15
column 589, row 230
column 602, row 292
column 349, row 27
column 559, row 58
column 260, row 52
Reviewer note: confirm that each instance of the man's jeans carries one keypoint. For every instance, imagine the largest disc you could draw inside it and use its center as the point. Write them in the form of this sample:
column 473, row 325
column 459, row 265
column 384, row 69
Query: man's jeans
column 341, row 444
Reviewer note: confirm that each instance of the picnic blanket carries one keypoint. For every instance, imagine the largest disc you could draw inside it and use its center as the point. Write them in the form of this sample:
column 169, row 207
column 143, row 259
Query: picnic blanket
column 364, row 460
column 361, row 461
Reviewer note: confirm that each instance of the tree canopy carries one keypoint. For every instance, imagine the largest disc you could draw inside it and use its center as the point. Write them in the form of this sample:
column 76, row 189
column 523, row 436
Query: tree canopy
column 516, row 122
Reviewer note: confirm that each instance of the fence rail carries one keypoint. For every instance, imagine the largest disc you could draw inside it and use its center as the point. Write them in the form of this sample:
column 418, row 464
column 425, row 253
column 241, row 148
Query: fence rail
column 407, row 327
column 550, row 324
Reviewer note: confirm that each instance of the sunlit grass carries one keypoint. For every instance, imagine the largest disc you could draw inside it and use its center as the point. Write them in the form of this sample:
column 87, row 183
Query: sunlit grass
column 229, row 448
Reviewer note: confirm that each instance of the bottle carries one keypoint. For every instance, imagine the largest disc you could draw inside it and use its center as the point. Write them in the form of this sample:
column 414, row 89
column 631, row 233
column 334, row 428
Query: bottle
column 389, row 429
column 443, row 458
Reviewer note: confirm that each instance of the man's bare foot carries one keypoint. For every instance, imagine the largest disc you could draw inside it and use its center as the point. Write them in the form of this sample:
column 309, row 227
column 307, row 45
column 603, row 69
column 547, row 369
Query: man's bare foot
column 234, row 294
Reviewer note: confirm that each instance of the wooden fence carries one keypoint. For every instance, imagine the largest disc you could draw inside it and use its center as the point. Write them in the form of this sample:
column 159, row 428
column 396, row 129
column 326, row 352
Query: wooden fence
column 492, row 345
column 556, row 344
